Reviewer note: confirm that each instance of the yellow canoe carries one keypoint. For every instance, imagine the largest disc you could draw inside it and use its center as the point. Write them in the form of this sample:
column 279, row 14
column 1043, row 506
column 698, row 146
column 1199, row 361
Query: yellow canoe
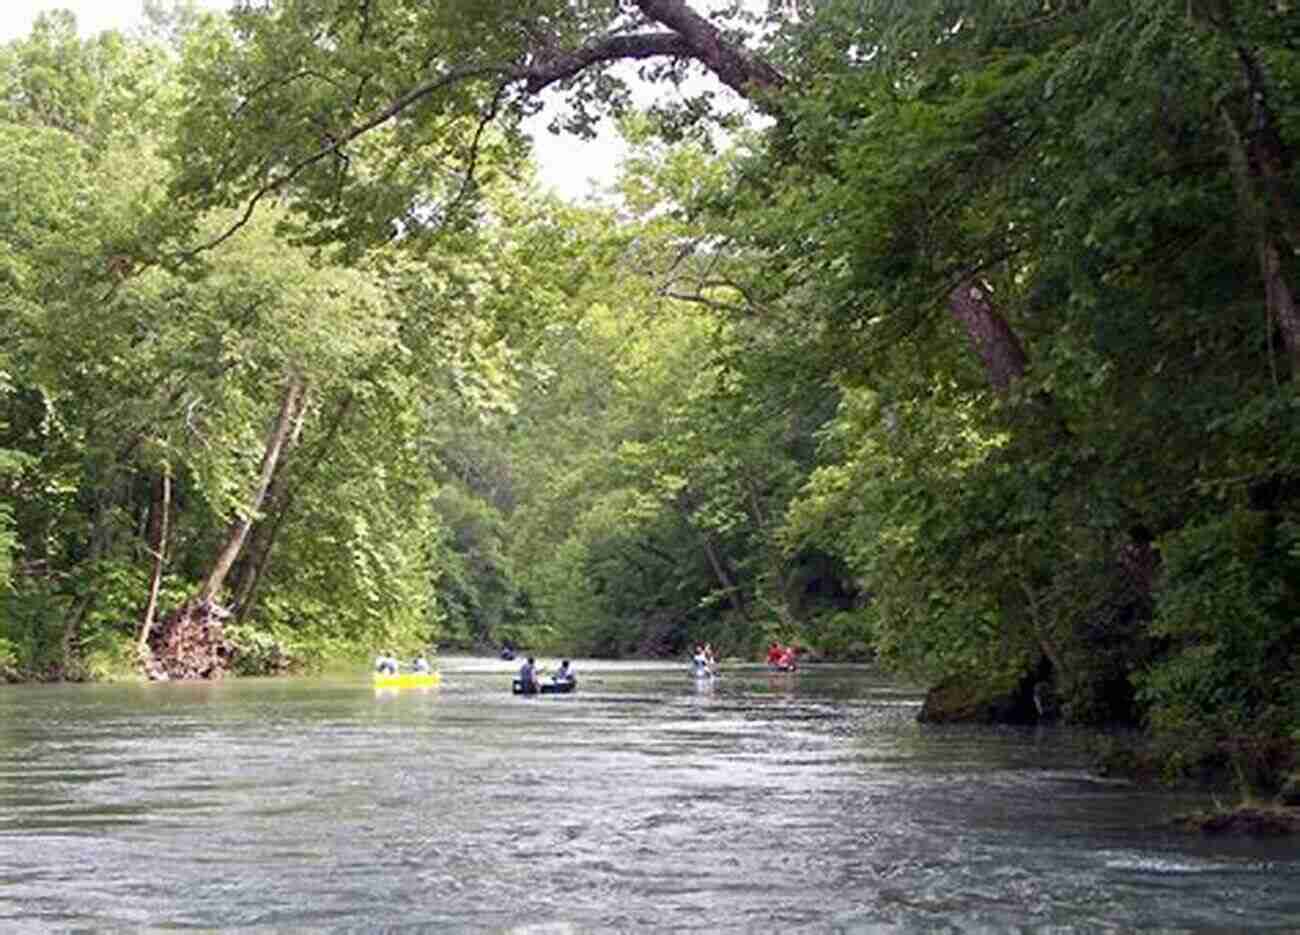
column 406, row 680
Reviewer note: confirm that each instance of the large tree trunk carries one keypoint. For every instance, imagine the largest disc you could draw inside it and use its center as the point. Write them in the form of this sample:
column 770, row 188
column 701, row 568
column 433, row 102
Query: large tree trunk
column 1261, row 163
column 1270, row 203
column 254, row 564
column 689, row 36
column 999, row 349
column 190, row 643
column 1278, row 300
column 745, row 74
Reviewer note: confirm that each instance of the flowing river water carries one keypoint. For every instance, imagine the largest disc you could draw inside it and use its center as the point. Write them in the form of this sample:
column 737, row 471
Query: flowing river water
column 641, row 803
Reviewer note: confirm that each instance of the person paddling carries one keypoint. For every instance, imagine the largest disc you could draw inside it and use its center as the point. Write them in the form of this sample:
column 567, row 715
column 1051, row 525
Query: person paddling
column 703, row 663
column 528, row 677
column 711, row 660
column 774, row 654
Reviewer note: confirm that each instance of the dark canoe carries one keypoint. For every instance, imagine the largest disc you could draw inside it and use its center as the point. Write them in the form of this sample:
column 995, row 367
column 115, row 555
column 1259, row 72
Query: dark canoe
column 546, row 688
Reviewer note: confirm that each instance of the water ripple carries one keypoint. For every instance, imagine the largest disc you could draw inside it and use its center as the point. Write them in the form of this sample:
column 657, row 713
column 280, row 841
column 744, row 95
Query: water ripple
column 636, row 805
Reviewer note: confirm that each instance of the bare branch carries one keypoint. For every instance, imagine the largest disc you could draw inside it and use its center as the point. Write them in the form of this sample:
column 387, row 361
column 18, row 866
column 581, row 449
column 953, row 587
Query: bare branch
column 484, row 121
column 699, row 298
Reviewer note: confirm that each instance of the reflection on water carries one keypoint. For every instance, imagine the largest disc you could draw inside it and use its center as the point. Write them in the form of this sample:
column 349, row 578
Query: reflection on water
column 643, row 802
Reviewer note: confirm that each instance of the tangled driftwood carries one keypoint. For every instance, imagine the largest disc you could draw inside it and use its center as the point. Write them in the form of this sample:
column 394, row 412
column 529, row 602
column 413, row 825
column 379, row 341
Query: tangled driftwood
column 189, row 643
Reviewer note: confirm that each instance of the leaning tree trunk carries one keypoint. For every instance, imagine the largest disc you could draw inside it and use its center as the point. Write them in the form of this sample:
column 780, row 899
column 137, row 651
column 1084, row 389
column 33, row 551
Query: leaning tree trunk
column 248, row 571
column 779, row 569
column 757, row 81
column 716, row 561
column 264, row 537
column 987, row 331
column 189, row 643
column 1279, row 302
column 1263, row 158
column 992, row 339
column 159, row 516
column 693, row 36
column 728, row 583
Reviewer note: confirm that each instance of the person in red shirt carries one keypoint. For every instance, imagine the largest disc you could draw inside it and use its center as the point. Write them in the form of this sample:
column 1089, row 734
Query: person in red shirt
column 774, row 654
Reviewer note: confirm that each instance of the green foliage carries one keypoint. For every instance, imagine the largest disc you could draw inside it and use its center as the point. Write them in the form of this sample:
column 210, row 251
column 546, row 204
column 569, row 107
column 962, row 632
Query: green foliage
column 29, row 631
column 297, row 97
column 104, row 637
column 841, row 635
column 110, row 655
column 1229, row 612
column 651, row 456
column 889, row 499
column 477, row 589
column 750, row 403
column 125, row 367
column 9, row 670
column 263, row 650
column 1078, row 165
column 9, row 466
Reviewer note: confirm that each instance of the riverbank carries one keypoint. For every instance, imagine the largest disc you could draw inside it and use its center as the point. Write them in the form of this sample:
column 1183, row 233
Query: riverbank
column 1245, row 820
column 1260, row 772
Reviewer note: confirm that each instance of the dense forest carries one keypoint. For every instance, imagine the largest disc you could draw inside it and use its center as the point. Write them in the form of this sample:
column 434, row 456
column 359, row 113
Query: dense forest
column 960, row 336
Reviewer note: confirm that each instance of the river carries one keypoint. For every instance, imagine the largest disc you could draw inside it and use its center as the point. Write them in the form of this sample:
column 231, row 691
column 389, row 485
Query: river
column 641, row 803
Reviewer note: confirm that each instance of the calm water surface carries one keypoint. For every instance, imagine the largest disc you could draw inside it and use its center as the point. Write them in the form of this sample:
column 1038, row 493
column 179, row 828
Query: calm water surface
column 642, row 803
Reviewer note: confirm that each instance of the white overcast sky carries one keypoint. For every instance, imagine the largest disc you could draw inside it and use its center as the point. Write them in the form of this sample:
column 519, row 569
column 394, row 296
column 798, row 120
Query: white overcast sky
column 567, row 164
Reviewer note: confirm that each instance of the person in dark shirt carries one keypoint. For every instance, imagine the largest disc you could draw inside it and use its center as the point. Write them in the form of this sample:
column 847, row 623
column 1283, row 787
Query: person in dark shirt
column 528, row 677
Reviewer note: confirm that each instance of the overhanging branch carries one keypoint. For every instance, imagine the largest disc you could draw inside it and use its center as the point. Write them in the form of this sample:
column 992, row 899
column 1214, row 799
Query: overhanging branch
column 690, row 36
column 545, row 72
column 335, row 143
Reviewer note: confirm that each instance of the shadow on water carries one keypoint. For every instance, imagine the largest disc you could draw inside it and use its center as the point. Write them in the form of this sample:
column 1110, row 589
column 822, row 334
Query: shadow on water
column 643, row 802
